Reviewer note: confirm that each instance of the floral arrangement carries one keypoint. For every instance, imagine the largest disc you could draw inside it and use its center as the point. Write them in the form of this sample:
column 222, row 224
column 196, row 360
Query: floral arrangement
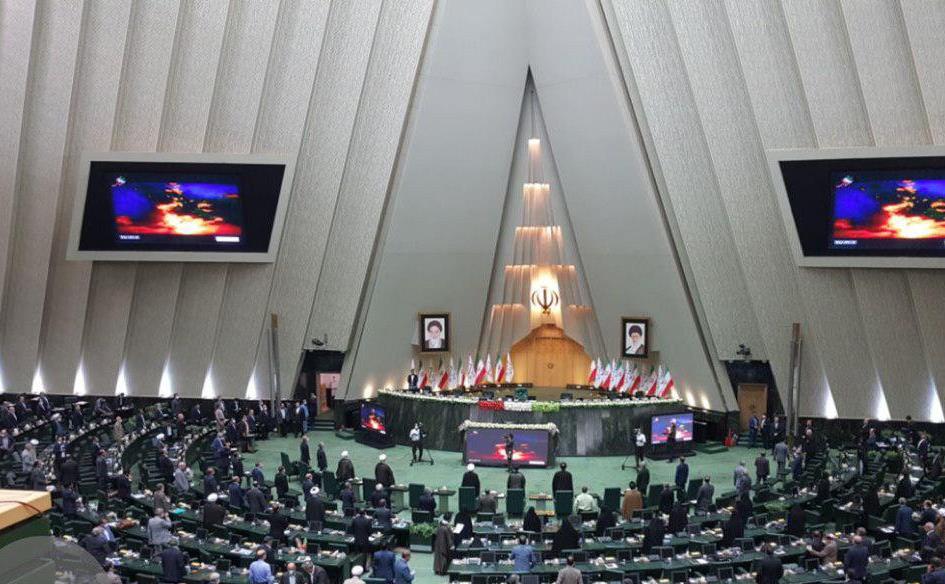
column 553, row 429
column 544, row 406
column 493, row 405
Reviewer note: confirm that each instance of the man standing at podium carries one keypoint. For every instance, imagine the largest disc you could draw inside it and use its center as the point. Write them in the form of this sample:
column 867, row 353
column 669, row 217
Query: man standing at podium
column 509, row 449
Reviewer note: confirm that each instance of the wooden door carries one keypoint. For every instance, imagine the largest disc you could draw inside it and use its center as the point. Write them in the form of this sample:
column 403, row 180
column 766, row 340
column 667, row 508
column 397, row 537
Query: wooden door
column 752, row 400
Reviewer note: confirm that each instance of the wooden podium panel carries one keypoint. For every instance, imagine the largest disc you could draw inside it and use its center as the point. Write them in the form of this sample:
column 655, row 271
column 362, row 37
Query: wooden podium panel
column 18, row 506
column 549, row 358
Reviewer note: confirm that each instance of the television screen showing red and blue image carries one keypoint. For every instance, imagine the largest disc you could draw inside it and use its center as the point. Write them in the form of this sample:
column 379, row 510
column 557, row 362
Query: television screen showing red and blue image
column 373, row 418
column 175, row 207
column 890, row 210
column 486, row 446
column 661, row 426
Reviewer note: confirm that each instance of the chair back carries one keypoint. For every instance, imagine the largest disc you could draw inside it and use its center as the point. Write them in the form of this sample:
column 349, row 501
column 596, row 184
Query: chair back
column 367, row 487
column 564, row 503
column 515, row 502
column 467, row 499
column 414, row 492
column 612, row 498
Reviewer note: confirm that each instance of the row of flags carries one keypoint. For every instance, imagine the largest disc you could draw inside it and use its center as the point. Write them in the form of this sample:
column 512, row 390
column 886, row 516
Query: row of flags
column 470, row 375
column 630, row 378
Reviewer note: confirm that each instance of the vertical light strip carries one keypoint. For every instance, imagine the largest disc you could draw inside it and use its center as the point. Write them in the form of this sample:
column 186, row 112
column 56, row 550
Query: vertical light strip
column 78, row 387
column 251, row 389
column 38, row 385
column 208, row 391
column 122, row 385
column 882, row 408
column 935, row 405
column 166, row 386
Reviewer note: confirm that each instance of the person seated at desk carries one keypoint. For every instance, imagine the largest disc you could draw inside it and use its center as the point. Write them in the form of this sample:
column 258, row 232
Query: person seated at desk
column 566, row 538
column 826, row 552
column 585, row 502
column 653, row 535
column 532, row 522
column 488, row 502
column 426, row 502
column 523, row 556
column 383, row 564
column 213, row 512
column 383, row 515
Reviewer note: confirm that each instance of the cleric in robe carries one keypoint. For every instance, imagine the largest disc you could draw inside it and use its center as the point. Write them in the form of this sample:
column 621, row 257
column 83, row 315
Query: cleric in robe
column 434, row 330
column 634, row 338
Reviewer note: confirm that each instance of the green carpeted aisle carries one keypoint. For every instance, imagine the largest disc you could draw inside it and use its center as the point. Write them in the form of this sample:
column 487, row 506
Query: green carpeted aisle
column 597, row 473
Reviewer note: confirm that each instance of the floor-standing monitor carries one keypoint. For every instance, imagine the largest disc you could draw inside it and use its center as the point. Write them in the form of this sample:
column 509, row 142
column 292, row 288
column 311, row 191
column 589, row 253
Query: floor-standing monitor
column 660, row 427
column 486, row 447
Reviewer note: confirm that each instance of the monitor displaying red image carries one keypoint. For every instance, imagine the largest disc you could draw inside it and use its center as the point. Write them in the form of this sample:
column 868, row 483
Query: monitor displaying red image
column 888, row 210
column 487, row 447
column 176, row 209
column 661, row 427
column 373, row 418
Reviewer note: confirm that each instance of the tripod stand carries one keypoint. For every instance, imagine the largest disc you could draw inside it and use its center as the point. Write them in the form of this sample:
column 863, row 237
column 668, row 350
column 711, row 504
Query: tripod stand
column 420, row 459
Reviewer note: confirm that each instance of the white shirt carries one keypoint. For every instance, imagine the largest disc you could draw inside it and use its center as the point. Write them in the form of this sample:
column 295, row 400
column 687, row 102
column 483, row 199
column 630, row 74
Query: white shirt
column 415, row 434
column 641, row 439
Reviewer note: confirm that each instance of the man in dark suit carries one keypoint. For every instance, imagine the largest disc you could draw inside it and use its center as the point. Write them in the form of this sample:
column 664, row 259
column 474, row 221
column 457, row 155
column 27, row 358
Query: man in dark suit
column 666, row 500
column 931, row 544
column 257, row 474
column 196, row 416
column 314, row 509
column 345, row 469
column 470, row 478
column 562, row 480
column 383, row 516
column 101, row 471
column 383, row 473
column 173, row 564
column 361, row 527
column 383, row 566
column 255, row 500
column 705, row 496
column 770, row 569
column 278, row 523
column 281, row 481
column 732, row 529
column 347, row 499
column 857, row 559
column 96, row 544
column 43, row 408
column 235, row 493
column 412, row 380
column 213, row 512
column 643, row 479
column 69, row 471
column 904, row 525
column 210, row 484
column 305, row 455
column 321, row 458
column 653, row 535
column 123, row 485
column 762, row 468
column 682, row 474
column 69, row 501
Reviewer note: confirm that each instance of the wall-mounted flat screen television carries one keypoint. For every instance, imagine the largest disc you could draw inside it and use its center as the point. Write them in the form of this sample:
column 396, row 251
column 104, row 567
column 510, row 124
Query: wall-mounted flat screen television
column 661, row 426
column 863, row 207
column 161, row 207
column 486, row 446
column 373, row 418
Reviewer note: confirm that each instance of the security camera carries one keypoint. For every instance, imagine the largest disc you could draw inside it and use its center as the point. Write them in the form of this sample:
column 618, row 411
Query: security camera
column 744, row 352
column 320, row 342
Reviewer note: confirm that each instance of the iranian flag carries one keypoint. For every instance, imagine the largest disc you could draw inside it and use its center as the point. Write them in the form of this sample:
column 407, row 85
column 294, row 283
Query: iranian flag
column 619, row 377
column 634, row 377
column 453, row 376
column 489, row 377
column 499, row 369
column 608, row 372
column 509, row 371
column 424, row 378
column 470, row 374
column 592, row 375
column 666, row 385
column 599, row 379
column 649, row 386
column 444, row 376
column 480, row 376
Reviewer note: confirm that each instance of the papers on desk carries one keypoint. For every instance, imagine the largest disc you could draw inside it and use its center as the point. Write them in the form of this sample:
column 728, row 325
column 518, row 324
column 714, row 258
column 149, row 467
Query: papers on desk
column 458, row 528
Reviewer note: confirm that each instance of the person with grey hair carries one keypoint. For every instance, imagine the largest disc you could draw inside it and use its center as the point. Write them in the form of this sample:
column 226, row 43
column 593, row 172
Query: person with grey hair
column 355, row 578
column 96, row 545
column 442, row 548
column 173, row 565
column 316, row 574
column 28, row 456
column 213, row 578
column 159, row 530
column 182, row 478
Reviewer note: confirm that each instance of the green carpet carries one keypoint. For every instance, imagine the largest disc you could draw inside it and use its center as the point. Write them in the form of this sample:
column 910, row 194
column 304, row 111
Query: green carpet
column 597, row 472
